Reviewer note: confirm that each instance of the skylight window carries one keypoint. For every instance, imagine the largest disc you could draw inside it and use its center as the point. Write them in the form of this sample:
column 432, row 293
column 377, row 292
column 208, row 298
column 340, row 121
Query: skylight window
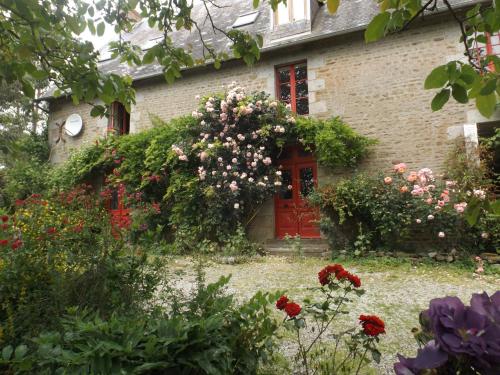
column 245, row 19
column 152, row 42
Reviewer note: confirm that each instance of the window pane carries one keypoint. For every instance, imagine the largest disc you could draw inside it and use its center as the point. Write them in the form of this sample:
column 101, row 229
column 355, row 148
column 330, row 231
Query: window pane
column 285, row 92
column 299, row 10
column 282, row 14
column 286, row 191
column 284, row 75
column 300, row 72
column 303, row 106
column 306, row 181
column 301, row 89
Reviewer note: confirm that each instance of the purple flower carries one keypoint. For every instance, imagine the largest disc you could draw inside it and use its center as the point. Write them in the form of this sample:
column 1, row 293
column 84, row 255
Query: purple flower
column 429, row 357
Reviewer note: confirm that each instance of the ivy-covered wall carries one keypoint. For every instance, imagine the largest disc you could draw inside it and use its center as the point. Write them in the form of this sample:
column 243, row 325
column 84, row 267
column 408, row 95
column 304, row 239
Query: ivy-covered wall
column 208, row 173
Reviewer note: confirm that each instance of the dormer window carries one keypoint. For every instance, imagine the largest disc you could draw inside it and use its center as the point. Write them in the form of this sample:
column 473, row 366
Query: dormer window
column 293, row 11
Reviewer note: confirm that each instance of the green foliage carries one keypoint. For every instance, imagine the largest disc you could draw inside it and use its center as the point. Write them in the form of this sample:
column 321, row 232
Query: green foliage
column 210, row 178
column 204, row 333
column 59, row 253
column 389, row 212
column 334, row 143
column 26, row 169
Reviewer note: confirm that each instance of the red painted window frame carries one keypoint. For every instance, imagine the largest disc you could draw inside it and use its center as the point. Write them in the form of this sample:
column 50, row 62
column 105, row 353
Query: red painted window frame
column 124, row 127
column 293, row 84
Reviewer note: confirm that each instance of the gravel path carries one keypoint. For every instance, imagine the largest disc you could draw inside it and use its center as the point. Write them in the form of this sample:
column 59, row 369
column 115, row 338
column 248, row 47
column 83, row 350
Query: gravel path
column 395, row 292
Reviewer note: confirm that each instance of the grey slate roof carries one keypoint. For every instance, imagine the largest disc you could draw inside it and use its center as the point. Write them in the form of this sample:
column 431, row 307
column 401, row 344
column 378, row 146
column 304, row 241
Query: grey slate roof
column 352, row 15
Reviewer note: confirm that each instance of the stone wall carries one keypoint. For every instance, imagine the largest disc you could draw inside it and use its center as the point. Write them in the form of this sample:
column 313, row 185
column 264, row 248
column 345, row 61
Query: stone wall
column 376, row 88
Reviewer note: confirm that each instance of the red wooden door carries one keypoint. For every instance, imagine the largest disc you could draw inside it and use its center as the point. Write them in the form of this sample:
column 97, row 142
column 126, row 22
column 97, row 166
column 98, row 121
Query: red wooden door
column 293, row 215
column 120, row 214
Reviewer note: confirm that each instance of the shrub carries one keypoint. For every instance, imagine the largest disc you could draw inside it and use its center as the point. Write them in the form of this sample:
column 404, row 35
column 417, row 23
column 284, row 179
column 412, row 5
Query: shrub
column 204, row 333
column 403, row 209
column 60, row 252
column 457, row 339
column 347, row 354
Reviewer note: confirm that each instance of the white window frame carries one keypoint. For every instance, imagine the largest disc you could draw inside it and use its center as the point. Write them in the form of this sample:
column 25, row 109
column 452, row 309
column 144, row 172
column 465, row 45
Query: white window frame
column 290, row 6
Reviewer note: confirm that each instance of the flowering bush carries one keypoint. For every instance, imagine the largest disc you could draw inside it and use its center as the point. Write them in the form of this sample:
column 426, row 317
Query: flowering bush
column 418, row 204
column 59, row 252
column 457, row 338
column 211, row 171
column 350, row 346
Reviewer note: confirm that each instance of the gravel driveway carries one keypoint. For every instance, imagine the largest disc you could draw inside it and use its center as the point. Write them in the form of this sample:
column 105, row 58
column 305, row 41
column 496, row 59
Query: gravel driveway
column 396, row 292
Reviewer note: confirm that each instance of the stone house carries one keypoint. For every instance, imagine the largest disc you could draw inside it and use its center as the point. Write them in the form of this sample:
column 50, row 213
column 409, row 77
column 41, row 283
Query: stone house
column 320, row 64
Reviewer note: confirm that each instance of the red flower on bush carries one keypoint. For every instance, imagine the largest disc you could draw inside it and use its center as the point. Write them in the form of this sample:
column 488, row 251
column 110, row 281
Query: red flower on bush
column 281, row 302
column 5, row 218
column 372, row 325
column 16, row 244
column 353, row 279
column 324, row 274
column 4, row 242
column 52, row 230
column 292, row 309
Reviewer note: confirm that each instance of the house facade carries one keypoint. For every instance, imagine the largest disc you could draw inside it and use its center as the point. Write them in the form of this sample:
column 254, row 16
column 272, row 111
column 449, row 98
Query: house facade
column 320, row 64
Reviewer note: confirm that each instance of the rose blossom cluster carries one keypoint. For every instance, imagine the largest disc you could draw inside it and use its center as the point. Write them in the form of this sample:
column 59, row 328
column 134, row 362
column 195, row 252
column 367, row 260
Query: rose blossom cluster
column 422, row 185
column 235, row 147
column 372, row 325
column 326, row 275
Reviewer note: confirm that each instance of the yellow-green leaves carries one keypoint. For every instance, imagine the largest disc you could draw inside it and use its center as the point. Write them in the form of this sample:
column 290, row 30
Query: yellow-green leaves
column 332, row 5
column 376, row 28
column 486, row 104
column 437, row 78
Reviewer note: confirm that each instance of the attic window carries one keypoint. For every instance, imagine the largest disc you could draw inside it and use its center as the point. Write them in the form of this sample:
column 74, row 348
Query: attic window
column 245, row 19
column 293, row 11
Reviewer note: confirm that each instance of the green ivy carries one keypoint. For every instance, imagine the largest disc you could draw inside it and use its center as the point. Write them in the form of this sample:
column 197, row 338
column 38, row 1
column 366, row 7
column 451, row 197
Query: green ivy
column 334, row 143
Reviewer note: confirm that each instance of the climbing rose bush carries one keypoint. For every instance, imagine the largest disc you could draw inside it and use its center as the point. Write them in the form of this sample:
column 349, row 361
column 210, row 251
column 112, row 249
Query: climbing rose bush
column 337, row 287
column 456, row 338
column 234, row 152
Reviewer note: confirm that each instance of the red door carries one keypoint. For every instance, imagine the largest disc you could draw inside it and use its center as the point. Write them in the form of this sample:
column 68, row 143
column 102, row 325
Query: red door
column 293, row 215
column 120, row 214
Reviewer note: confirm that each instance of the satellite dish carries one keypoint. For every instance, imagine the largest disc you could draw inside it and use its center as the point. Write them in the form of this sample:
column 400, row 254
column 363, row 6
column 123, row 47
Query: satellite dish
column 73, row 125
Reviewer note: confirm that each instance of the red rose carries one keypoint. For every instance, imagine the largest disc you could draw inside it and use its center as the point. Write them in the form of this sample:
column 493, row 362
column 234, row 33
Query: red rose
column 5, row 218
column 17, row 243
column 324, row 274
column 292, row 309
column 355, row 280
column 281, row 302
column 52, row 230
column 372, row 325
column 4, row 242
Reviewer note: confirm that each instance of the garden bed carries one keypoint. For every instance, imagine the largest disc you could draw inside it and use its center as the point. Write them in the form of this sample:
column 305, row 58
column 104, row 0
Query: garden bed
column 396, row 290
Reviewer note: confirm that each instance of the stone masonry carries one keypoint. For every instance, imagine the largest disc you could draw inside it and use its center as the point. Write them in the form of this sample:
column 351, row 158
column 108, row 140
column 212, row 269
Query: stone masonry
column 376, row 88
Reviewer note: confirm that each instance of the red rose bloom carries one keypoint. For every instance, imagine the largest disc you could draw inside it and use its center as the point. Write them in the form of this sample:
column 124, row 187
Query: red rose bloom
column 324, row 274
column 292, row 309
column 281, row 303
column 355, row 280
column 372, row 325
column 5, row 218
column 17, row 243
column 4, row 242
